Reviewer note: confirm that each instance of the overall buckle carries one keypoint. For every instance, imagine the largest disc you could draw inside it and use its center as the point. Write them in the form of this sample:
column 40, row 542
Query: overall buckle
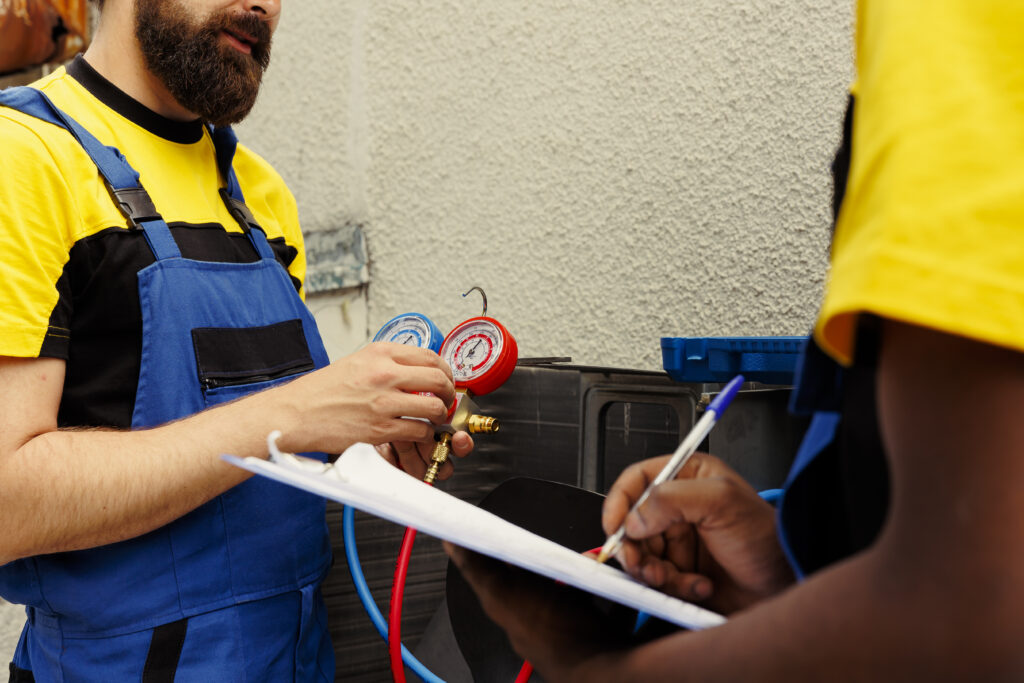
column 239, row 211
column 136, row 205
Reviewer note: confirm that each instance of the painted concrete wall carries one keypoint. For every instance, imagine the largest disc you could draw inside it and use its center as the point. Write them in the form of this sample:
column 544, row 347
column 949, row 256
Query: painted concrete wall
column 609, row 172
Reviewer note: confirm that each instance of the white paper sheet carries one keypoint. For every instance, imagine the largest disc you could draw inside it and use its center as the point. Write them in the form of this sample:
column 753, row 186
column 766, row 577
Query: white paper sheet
column 362, row 479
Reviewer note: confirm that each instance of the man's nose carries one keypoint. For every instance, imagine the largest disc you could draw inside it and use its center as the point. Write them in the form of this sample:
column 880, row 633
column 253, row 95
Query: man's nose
column 270, row 9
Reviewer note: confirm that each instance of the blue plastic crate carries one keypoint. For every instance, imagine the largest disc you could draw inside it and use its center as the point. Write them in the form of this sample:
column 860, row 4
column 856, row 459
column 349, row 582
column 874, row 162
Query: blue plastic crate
column 771, row 360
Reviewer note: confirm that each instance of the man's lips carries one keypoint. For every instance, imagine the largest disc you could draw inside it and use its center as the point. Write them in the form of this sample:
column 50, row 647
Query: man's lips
column 241, row 41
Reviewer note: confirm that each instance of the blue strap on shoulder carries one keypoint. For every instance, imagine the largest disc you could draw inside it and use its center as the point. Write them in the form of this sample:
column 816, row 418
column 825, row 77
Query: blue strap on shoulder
column 225, row 142
column 122, row 180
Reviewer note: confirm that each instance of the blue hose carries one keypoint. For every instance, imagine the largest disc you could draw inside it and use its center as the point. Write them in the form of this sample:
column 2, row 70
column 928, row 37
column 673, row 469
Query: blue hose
column 348, row 525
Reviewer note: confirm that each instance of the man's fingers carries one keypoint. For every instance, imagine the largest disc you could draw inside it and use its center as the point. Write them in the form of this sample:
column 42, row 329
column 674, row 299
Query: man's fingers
column 462, row 444
column 421, row 370
column 415, row 356
column 387, row 451
column 430, row 408
column 408, row 455
column 400, row 429
column 419, row 381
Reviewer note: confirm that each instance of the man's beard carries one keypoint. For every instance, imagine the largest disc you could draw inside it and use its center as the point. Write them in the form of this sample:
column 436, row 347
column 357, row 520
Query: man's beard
column 205, row 75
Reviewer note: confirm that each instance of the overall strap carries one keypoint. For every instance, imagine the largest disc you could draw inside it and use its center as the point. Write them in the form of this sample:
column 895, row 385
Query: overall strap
column 121, row 179
column 225, row 142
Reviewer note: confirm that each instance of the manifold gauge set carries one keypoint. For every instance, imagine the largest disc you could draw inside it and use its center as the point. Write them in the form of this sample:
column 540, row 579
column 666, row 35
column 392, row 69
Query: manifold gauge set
column 481, row 351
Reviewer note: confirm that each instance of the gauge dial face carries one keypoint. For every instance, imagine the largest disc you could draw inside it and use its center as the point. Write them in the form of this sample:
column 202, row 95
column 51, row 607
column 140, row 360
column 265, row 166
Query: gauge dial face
column 473, row 349
column 410, row 330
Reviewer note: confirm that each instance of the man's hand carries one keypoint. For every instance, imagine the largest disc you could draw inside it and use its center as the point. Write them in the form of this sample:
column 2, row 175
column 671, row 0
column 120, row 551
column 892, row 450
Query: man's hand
column 366, row 397
column 704, row 537
column 414, row 456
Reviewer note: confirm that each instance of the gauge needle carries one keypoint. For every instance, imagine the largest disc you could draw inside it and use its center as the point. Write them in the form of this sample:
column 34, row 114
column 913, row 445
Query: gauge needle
column 408, row 339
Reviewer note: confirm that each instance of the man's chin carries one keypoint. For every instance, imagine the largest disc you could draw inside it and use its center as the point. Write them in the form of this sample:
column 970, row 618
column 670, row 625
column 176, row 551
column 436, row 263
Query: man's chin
column 229, row 99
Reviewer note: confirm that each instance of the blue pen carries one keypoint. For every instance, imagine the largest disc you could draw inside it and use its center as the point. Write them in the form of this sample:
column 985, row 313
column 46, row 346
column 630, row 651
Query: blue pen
column 686, row 448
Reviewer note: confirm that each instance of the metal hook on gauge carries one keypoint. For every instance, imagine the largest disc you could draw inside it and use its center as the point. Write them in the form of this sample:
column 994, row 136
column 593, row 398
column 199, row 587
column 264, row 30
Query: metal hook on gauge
column 482, row 294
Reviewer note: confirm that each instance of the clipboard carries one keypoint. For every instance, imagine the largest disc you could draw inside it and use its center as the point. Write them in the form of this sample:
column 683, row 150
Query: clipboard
column 363, row 479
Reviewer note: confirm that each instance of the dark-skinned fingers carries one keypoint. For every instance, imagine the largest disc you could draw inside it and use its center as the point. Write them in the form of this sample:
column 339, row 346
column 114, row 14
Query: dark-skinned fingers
column 633, row 554
column 495, row 585
column 545, row 621
column 630, row 555
column 693, row 501
column 682, row 549
column 655, row 545
column 634, row 481
column 704, row 466
column 490, row 579
column 667, row 578
column 626, row 490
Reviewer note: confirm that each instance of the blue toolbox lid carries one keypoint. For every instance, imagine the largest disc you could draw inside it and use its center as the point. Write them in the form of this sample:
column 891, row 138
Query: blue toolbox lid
column 771, row 360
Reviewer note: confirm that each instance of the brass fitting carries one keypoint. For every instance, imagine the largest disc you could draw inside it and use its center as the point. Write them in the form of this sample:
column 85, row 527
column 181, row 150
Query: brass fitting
column 481, row 424
column 440, row 455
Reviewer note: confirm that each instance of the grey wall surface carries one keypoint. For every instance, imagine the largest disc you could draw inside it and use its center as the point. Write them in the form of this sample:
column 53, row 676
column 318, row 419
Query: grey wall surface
column 12, row 619
column 609, row 172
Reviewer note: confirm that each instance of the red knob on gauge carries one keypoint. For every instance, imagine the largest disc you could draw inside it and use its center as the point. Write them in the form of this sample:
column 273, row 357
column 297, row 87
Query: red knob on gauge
column 482, row 354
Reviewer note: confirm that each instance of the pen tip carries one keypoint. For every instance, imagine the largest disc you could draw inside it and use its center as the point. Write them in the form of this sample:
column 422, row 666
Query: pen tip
column 602, row 556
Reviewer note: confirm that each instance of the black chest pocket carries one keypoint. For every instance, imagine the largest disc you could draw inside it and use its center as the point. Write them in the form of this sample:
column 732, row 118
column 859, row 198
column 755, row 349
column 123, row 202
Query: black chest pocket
column 234, row 361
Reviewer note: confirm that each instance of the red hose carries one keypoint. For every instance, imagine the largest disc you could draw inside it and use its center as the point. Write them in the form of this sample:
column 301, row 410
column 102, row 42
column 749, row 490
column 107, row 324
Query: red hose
column 395, row 612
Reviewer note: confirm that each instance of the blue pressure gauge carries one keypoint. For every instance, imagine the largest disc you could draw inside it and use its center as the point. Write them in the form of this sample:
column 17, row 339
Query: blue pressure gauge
column 412, row 329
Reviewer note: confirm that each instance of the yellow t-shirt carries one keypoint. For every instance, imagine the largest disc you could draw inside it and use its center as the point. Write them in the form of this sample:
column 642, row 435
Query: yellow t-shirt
column 931, row 230
column 69, row 262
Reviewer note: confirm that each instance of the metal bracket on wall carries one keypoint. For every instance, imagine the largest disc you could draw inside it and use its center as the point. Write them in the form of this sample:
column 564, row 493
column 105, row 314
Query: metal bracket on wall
column 336, row 259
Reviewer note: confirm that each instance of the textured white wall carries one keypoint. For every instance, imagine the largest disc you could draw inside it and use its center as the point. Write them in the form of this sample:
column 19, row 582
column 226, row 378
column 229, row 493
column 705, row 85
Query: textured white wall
column 609, row 171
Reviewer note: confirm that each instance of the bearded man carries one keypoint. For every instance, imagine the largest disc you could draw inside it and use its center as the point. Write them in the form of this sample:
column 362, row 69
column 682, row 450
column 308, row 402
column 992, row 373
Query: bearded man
column 151, row 319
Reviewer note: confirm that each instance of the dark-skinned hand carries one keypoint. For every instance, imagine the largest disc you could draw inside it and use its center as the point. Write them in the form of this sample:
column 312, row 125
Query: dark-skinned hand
column 562, row 631
column 706, row 536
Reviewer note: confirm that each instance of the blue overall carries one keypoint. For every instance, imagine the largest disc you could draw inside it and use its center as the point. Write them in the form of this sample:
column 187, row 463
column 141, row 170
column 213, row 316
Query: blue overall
column 230, row 591
column 836, row 493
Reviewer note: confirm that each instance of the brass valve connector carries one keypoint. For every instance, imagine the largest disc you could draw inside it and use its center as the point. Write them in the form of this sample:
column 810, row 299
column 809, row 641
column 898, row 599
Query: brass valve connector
column 440, row 456
column 481, row 424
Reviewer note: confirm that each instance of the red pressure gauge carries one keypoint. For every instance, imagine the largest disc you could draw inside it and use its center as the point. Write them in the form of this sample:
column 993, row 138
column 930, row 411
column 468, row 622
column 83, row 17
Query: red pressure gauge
column 481, row 353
